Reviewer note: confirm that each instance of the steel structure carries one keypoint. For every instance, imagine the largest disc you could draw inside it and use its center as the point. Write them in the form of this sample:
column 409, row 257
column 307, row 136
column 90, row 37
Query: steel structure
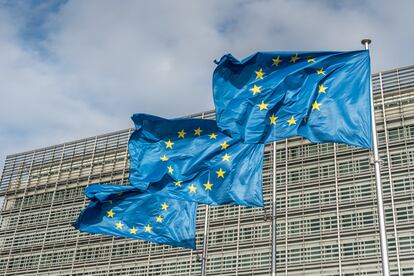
column 326, row 207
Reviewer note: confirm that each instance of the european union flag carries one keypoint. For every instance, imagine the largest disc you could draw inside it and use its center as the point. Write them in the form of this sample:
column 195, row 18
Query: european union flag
column 128, row 212
column 322, row 96
column 191, row 159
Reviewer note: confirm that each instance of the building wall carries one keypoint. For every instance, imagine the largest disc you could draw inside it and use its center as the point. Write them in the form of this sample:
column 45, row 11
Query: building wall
column 326, row 207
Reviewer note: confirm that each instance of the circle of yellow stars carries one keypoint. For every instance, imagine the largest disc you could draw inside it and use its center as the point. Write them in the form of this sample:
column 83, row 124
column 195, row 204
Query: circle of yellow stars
column 198, row 132
column 276, row 61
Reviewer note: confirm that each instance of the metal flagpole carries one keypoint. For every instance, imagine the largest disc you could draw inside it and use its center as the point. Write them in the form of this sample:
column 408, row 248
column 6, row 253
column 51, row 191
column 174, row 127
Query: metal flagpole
column 274, row 213
column 205, row 235
column 381, row 216
column 205, row 239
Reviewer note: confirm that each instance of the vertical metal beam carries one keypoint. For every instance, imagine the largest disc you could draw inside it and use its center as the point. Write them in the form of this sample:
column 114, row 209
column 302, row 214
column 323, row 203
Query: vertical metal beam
column 190, row 269
column 381, row 216
column 238, row 241
column 274, row 237
column 149, row 259
column 338, row 217
column 397, row 249
column 111, row 250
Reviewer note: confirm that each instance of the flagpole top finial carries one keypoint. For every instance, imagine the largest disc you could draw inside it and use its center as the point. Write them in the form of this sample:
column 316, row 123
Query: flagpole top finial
column 366, row 41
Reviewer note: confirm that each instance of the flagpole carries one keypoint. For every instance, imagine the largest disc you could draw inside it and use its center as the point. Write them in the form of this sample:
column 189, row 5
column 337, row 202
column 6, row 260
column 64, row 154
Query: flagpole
column 205, row 234
column 381, row 216
column 274, row 213
column 205, row 239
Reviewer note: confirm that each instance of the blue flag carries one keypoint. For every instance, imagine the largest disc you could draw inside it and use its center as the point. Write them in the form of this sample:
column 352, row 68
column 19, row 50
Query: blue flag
column 191, row 159
column 125, row 211
column 322, row 96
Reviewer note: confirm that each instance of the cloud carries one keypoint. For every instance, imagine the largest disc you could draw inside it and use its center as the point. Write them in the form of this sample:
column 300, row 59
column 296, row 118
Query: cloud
column 81, row 68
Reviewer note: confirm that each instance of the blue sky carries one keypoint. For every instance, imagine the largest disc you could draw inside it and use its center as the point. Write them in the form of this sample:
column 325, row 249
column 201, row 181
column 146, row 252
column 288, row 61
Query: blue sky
column 73, row 69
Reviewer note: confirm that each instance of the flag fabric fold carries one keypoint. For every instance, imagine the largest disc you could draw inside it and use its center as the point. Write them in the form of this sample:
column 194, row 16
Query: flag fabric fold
column 126, row 211
column 191, row 159
column 269, row 96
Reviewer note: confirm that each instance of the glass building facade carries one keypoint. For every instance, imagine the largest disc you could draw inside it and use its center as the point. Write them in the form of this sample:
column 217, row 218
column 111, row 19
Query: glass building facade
column 326, row 207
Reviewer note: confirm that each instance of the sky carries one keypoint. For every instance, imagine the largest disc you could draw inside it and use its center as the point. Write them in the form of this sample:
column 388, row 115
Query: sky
column 73, row 69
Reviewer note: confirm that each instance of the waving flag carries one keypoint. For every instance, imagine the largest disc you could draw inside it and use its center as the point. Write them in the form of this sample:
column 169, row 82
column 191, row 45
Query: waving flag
column 322, row 96
column 125, row 211
column 191, row 159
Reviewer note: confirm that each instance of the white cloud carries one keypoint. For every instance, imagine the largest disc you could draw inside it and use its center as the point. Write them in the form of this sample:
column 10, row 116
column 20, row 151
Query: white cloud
column 108, row 59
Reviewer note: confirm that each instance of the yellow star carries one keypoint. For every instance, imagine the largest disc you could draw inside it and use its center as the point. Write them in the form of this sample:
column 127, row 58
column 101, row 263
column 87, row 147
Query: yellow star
column 320, row 72
column 226, row 157
column 178, row 183
column 208, row 186
column 224, row 145
column 119, row 225
column 273, row 119
column 192, row 188
column 197, row 132
column 292, row 121
column 294, row 58
column 259, row 74
column 181, row 134
column 256, row 89
column 148, row 228
column 110, row 213
column 262, row 106
column 164, row 206
column 322, row 89
column 311, row 59
column 168, row 144
column 316, row 105
column 276, row 61
column 159, row 219
column 170, row 169
column 133, row 230
column 164, row 158
column 213, row 136
column 220, row 173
